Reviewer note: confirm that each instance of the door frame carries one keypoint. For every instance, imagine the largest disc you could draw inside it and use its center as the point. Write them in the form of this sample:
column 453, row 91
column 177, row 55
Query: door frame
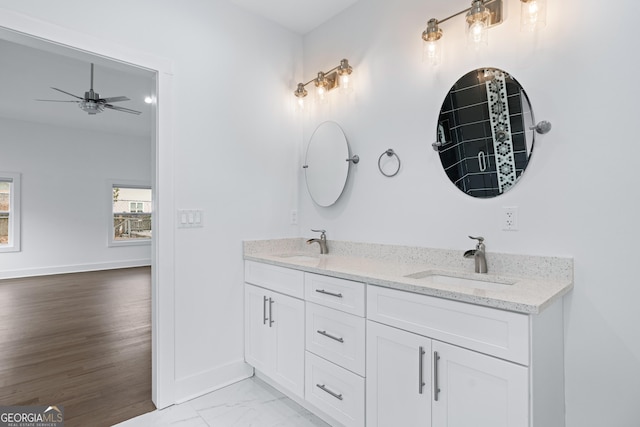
column 13, row 25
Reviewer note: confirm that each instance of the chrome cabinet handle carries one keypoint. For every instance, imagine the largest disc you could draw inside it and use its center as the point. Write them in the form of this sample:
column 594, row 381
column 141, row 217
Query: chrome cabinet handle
column 326, row 390
column 264, row 311
column 322, row 291
column 436, row 389
column 330, row 336
column 421, row 382
column 270, row 312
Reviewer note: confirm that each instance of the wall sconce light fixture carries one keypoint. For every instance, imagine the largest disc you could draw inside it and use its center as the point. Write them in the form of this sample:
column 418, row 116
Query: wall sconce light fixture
column 325, row 81
column 482, row 15
column 533, row 14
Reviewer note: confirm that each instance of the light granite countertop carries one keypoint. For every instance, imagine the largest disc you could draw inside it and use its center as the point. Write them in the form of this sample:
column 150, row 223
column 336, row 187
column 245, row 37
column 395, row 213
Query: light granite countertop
column 533, row 282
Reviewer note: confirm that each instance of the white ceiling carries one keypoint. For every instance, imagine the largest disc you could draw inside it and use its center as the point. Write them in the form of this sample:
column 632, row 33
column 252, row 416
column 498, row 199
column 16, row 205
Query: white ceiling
column 29, row 68
column 299, row 16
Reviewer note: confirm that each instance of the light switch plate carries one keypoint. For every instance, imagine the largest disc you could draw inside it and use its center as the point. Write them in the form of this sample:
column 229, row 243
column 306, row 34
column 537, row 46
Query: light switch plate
column 190, row 218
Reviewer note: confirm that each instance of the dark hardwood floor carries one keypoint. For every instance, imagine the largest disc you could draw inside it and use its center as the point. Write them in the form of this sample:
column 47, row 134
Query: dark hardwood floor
column 79, row 340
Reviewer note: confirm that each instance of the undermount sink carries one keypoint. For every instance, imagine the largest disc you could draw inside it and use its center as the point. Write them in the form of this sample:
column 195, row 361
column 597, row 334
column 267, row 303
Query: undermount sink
column 443, row 279
column 299, row 257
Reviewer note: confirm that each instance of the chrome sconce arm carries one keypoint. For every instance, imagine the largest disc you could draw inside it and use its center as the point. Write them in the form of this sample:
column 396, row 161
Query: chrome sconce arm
column 327, row 80
column 542, row 127
column 480, row 16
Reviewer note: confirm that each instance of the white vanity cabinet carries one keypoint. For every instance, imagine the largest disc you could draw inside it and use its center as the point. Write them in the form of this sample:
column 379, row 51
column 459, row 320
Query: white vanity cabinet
column 335, row 348
column 413, row 380
column 364, row 355
column 274, row 324
column 486, row 374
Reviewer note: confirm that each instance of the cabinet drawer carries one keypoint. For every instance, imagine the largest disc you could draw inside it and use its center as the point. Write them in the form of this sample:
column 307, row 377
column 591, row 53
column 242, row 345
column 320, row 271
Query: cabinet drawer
column 499, row 333
column 341, row 294
column 279, row 279
column 337, row 336
column 334, row 390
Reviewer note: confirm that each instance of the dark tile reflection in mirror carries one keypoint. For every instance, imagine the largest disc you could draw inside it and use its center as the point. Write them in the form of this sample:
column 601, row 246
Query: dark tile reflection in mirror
column 465, row 129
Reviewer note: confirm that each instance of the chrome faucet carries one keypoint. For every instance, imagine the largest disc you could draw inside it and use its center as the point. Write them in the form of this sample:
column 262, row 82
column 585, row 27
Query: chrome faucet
column 478, row 255
column 322, row 241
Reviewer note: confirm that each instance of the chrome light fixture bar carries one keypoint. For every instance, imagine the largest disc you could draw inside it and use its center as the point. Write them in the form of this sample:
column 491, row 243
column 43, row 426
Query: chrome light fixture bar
column 482, row 15
column 326, row 80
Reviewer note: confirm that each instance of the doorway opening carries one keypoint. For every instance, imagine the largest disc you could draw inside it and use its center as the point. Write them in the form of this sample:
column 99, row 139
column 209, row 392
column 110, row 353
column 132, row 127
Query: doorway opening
column 29, row 32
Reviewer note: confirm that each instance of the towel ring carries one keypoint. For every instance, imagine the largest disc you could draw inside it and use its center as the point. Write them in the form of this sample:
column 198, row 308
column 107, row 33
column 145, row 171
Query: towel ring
column 389, row 153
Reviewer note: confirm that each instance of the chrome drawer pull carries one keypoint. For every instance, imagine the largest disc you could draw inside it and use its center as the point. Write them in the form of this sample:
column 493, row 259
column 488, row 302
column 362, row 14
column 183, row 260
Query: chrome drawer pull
column 421, row 382
column 322, row 291
column 270, row 312
column 436, row 388
column 330, row 336
column 264, row 311
column 326, row 390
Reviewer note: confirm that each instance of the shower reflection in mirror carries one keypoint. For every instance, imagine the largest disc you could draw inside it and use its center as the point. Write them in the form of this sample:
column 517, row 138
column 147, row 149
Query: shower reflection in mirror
column 483, row 136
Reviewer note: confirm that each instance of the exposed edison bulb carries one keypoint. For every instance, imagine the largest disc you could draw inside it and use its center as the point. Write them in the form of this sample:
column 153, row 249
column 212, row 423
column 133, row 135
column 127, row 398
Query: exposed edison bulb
column 300, row 104
column 533, row 15
column 321, row 93
column 432, row 53
column 476, row 32
column 345, row 81
column 477, row 35
column 431, row 49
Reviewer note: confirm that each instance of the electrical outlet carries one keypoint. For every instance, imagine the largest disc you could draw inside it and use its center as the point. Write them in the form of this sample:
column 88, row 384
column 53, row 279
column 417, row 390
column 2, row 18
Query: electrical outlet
column 510, row 218
column 294, row 217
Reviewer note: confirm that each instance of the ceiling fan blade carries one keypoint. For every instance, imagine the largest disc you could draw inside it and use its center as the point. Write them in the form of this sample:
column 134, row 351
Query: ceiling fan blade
column 115, row 99
column 54, row 100
column 124, row 110
column 70, row 94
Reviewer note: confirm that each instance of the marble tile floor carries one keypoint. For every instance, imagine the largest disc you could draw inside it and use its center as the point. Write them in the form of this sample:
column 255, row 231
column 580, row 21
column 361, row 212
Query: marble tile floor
column 248, row 403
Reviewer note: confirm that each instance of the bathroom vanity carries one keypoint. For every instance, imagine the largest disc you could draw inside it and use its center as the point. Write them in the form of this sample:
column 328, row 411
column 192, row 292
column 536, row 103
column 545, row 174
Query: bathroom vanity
column 400, row 336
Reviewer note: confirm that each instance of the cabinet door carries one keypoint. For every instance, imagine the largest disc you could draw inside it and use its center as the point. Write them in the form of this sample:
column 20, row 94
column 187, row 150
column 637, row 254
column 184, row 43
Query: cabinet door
column 398, row 378
column 477, row 390
column 287, row 320
column 258, row 347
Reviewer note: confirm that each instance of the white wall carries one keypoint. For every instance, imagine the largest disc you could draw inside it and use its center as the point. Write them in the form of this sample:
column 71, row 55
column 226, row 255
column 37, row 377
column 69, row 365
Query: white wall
column 65, row 197
column 577, row 198
column 235, row 146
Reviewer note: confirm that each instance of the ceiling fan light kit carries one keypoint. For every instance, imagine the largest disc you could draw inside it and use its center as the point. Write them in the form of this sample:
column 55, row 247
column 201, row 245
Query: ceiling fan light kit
column 92, row 103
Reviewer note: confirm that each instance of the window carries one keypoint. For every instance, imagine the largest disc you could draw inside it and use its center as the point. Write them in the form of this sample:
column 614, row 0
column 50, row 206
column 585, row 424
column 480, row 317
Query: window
column 9, row 212
column 131, row 214
column 136, row 207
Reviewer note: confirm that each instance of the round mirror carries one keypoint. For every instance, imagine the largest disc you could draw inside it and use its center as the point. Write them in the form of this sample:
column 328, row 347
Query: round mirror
column 484, row 134
column 326, row 167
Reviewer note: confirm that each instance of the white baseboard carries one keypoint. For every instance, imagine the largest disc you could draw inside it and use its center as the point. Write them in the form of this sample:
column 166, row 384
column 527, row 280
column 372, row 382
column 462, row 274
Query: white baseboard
column 76, row 268
column 205, row 382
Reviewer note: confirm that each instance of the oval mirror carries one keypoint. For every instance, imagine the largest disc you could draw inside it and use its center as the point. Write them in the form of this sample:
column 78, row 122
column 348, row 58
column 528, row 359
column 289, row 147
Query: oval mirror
column 484, row 134
column 326, row 167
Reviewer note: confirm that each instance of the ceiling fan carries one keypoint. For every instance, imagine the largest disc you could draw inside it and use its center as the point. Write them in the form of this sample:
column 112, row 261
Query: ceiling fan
column 92, row 103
